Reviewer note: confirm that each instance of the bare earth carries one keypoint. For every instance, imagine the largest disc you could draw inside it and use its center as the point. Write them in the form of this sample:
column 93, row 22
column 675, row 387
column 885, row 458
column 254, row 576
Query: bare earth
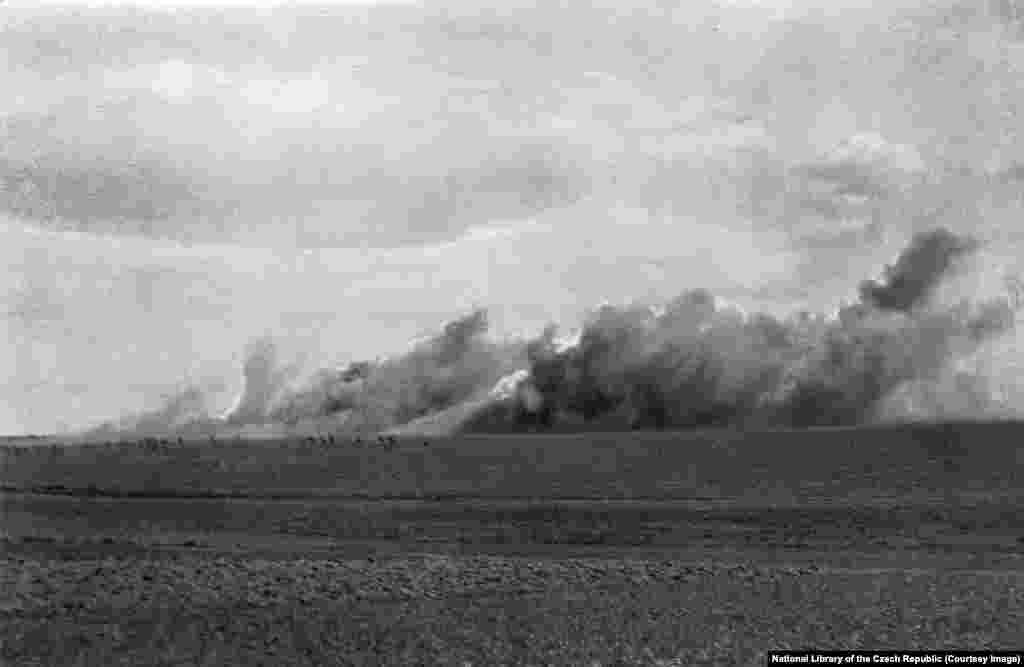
column 653, row 549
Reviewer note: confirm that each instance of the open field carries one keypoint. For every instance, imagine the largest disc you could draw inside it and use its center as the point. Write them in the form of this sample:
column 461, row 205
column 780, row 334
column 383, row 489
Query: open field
column 614, row 549
column 919, row 464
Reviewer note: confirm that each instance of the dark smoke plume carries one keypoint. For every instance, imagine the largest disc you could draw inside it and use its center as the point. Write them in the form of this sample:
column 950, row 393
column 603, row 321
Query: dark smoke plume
column 917, row 271
column 698, row 364
column 695, row 362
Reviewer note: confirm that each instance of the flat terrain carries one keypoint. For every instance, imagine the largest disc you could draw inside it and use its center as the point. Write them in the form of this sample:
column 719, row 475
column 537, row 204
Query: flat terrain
column 610, row 549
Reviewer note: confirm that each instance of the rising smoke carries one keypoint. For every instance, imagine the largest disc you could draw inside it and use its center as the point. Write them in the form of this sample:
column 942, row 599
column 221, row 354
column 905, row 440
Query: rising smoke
column 898, row 352
column 698, row 363
column 456, row 365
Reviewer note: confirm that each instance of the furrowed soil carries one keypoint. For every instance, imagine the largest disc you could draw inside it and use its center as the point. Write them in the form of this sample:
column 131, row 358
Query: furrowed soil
column 597, row 549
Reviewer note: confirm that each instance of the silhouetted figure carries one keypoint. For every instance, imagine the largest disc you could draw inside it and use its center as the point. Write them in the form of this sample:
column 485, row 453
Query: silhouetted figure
column 181, row 442
column 330, row 439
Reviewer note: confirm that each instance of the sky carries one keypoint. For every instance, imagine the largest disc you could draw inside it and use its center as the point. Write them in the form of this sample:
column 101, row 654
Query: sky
column 175, row 4
column 346, row 176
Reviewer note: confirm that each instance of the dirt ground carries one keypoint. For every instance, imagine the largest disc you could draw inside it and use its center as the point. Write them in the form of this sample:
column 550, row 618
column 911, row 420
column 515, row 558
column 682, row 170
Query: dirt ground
column 845, row 555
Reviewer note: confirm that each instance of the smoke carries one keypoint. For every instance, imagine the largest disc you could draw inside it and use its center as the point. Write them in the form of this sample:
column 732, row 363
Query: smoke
column 265, row 379
column 912, row 346
column 457, row 364
column 185, row 411
column 699, row 362
column 918, row 271
column 435, row 374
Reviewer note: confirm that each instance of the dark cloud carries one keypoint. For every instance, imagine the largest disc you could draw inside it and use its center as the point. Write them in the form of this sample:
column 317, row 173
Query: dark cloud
column 53, row 188
column 450, row 123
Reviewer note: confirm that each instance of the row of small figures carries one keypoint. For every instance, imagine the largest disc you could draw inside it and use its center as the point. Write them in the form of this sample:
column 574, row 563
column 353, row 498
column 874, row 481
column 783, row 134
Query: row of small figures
column 385, row 441
column 157, row 444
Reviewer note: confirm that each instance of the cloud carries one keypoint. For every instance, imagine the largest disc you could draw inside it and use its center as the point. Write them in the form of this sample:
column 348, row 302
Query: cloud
column 302, row 95
column 173, row 79
column 56, row 187
column 173, row 4
column 871, row 148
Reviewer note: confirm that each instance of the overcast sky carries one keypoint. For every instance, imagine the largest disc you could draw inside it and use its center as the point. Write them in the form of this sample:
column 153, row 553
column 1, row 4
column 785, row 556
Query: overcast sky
column 347, row 175
column 171, row 5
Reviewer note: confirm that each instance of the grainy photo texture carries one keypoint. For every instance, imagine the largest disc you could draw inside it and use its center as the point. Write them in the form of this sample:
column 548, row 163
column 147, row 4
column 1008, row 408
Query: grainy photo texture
column 509, row 332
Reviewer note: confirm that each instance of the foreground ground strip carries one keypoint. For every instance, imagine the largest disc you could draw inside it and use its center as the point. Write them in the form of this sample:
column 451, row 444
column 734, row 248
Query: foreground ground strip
column 703, row 549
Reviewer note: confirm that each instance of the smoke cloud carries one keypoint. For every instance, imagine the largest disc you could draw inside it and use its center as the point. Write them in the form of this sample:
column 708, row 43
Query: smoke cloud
column 918, row 271
column 899, row 352
column 698, row 362
column 456, row 365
